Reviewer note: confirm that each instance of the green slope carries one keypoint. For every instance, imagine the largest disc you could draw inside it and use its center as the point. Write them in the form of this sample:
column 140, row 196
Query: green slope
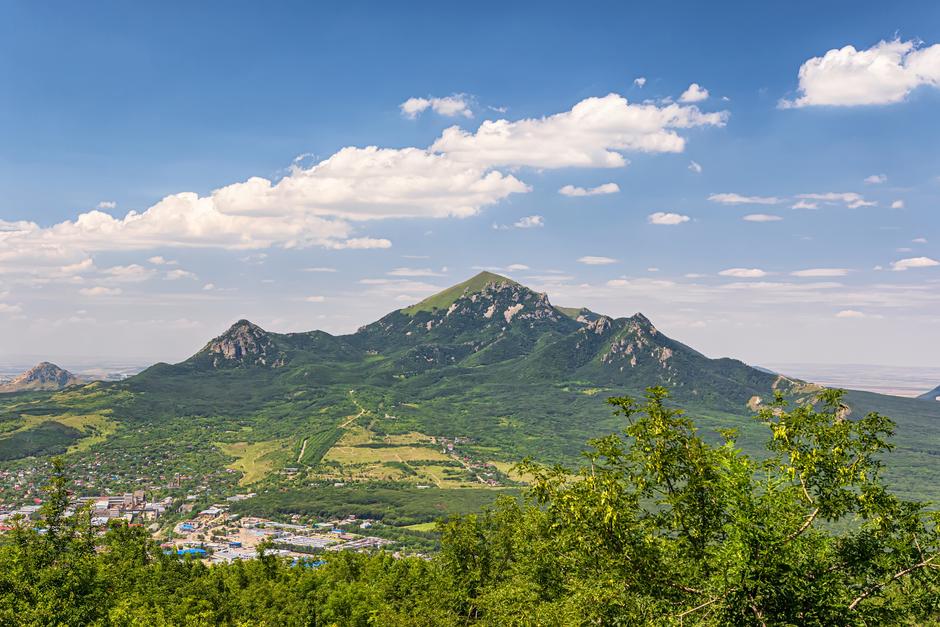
column 487, row 360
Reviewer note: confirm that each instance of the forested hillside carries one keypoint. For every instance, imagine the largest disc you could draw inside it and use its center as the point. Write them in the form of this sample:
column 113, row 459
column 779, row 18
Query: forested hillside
column 657, row 527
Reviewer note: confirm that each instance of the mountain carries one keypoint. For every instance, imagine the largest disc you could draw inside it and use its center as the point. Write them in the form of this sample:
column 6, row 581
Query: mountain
column 932, row 395
column 488, row 363
column 43, row 376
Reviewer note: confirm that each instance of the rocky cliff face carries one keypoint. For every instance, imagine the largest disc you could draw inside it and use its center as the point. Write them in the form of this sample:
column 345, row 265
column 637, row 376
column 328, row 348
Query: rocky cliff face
column 244, row 344
column 43, row 376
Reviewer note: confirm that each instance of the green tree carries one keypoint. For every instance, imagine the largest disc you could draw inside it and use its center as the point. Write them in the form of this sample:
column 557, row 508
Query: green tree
column 660, row 527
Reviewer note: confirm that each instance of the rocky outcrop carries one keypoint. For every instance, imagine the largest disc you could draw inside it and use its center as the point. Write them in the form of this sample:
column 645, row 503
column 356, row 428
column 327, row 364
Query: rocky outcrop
column 244, row 344
column 43, row 376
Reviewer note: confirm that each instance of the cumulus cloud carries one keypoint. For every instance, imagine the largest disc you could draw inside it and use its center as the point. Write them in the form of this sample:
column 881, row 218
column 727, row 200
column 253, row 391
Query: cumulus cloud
column 529, row 222
column 850, row 313
column 875, row 179
column 448, row 106
column 730, row 198
column 106, row 204
column 849, row 199
column 176, row 275
column 761, row 217
column 639, row 81
column 596, row 261
column 695, row 93
column 743, row 273
column 606, row 188
column 695, row 167
column 913, row 262
column 805, row 204
column 324, row 204
column 592, row 134
column 132, row 273
column 663, row 218
column 820, row 272
column 897, row 204
column 883, row 74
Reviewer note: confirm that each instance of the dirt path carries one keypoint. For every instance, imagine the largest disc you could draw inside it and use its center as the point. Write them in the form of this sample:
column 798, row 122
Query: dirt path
column 303, row 449
column 362, row 411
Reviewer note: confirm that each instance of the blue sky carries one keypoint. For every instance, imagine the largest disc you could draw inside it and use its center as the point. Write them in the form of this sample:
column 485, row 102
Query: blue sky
column 480, row 114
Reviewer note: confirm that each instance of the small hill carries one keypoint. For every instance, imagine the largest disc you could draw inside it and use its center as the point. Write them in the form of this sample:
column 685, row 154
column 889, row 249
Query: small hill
column 43, row 376
column 932, row 395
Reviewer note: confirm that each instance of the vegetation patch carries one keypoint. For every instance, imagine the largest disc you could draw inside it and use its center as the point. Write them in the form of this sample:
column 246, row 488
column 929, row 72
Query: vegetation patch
column 47, row 438
column 255, row 460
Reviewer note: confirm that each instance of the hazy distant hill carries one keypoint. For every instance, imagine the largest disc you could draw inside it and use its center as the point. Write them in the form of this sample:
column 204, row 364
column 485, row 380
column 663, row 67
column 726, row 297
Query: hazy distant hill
column 932, row 395
column 43, row 376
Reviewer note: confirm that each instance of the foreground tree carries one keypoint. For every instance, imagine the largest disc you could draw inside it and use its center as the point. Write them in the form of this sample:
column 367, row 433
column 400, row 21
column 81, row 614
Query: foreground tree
column 662, row 527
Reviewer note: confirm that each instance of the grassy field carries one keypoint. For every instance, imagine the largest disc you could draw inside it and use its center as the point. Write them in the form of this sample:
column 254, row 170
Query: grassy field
column 255, row 460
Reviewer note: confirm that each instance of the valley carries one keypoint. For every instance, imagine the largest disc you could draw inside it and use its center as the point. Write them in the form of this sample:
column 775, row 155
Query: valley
column 420, row 414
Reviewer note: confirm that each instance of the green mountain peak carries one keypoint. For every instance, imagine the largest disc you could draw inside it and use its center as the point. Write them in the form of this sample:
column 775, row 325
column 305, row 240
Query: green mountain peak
column 446, row 298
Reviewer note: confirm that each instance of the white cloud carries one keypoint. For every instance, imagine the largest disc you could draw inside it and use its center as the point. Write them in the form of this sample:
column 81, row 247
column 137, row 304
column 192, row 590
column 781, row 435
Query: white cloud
column 761, row 217
column 529, row 222
column 596, row 261
column 414, row 272
column 737, row 199
column 695, row 93
column 805, row 204
column 208, row 287
column 820, row 272
column 606, row 188
column 913, row 262
column 132, row 273
column 100, row 290
column 176, row 275
column 883, row 74
column 919, row 240
column 743, row 273
column 314, row 299
column 373, row 183
column 875, row 179
column 360, row 243
column 666, row 219
column 851, row 200
column 106, row 204
column 694, row 166
column 639, row 81
column 850, row 313
column 319, row 269
column 897, row 204
column 161, row 261
column 592, row 134
column 517, row 267
column 448, row 106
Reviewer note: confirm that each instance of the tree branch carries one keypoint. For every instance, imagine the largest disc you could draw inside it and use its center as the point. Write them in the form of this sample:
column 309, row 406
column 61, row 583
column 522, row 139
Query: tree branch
column 803, row 527
column 897, row 576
